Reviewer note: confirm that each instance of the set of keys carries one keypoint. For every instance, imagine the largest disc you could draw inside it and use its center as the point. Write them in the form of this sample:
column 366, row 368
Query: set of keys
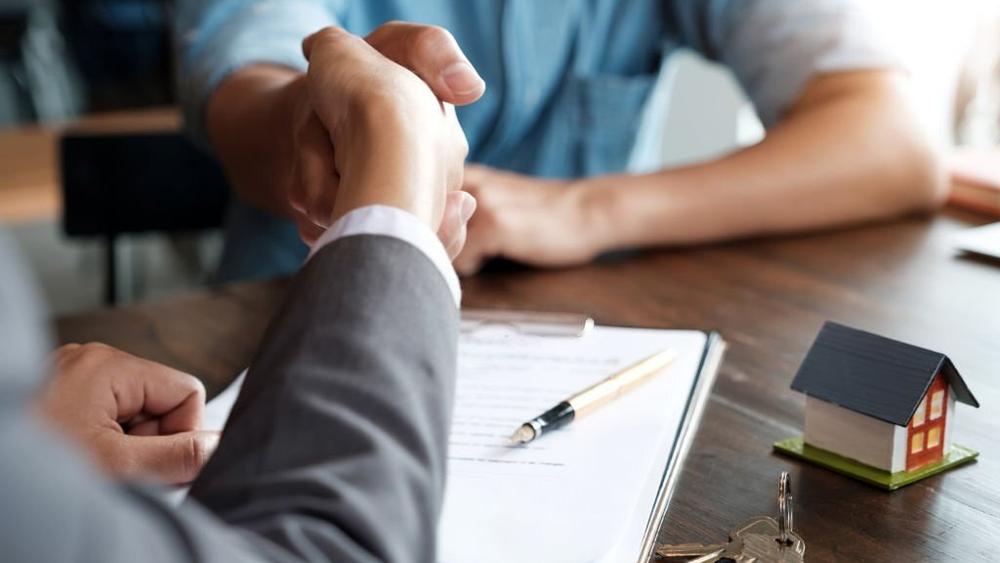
column 758, row 540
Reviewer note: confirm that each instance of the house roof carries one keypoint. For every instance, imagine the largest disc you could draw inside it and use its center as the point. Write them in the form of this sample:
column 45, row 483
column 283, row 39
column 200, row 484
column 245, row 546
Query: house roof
column 873, row 375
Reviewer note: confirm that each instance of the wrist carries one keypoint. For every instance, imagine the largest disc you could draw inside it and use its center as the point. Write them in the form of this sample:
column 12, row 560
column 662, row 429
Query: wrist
column 596, row 204
column 243, row 117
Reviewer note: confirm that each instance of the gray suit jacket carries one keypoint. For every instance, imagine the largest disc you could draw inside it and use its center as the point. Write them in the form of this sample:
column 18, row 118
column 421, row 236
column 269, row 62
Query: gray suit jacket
column 335, row 450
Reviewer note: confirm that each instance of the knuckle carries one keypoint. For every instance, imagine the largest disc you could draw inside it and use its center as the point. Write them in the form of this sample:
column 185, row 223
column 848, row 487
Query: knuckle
column 95, row 349
column 331, row 33
column 192, row 456
column 429, row 39
column 196, row 386
column 67, row 349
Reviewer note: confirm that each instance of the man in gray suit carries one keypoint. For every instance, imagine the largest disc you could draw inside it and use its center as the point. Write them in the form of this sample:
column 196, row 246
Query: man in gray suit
column 335, row 450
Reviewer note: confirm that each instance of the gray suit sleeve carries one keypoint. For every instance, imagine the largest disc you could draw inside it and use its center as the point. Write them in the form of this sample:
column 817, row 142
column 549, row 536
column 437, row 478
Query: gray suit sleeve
column 335, row 449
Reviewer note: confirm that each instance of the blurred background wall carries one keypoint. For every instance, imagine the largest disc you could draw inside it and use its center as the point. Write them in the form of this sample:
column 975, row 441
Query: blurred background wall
column 62, row 58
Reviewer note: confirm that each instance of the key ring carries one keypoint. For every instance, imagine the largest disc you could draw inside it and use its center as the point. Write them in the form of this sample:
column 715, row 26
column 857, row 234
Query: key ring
column 785, row 522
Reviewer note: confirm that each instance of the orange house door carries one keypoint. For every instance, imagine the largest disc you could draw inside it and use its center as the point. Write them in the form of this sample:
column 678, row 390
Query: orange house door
column 925, row 433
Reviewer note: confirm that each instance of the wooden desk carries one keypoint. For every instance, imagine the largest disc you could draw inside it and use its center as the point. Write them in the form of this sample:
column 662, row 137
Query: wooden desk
column 29, row 160
column 768, row 298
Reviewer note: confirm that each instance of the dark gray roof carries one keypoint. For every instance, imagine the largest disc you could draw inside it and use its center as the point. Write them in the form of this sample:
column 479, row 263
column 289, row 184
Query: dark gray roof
column 873, row 375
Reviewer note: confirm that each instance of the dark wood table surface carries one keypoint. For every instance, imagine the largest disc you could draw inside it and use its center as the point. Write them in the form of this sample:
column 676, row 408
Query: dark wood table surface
column 768, row 298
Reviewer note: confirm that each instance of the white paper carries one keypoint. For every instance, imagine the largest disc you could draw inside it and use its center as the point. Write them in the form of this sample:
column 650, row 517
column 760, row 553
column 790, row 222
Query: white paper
column 580, row 494
column 981, row 240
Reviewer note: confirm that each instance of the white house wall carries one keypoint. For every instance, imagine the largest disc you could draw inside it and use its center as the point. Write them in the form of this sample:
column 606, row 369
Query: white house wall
column 851, row 434
column 900, row 441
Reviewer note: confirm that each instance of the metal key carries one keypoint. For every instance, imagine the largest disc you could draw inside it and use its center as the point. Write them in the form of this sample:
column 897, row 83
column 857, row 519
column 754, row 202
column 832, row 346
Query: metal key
column 691, row 552
column 755, row 541
column 758, row 540
column 728, row 552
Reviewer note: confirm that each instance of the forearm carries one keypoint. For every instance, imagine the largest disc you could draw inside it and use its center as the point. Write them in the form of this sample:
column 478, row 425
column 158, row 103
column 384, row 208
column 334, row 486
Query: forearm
column 337, row 442
column 849, row 151
column 248, row 120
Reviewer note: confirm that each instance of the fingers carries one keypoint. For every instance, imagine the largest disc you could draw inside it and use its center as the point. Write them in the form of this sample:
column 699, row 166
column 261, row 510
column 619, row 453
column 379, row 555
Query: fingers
column 345, row 73
column 97, row 391
column 173, row 397
column 174, row 458
column 431, row 53
column 459, row 208
column 329, row 33
column 315, row 179
column 309, row 232
column 476, row 249
column 95, row 384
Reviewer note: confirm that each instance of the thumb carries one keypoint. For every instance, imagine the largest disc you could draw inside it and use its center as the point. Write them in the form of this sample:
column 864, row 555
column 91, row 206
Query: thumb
column 458, row 209
column 174, row 458
column 432, row 54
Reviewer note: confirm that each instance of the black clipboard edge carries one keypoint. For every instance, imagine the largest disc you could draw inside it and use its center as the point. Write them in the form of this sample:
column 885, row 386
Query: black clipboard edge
column 711, row 360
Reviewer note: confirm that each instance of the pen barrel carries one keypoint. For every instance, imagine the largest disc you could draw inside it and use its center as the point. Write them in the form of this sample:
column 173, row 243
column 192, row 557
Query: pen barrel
column 611, row 388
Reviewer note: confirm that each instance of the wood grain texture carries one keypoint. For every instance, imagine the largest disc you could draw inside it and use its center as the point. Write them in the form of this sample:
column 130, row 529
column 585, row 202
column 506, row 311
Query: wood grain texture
column 768, row 298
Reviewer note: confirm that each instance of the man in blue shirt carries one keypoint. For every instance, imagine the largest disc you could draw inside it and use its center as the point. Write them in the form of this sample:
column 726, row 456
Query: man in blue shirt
column 553, row 132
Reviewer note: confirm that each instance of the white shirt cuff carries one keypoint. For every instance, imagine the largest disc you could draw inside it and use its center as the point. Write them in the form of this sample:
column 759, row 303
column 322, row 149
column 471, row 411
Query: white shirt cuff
column 394, row 222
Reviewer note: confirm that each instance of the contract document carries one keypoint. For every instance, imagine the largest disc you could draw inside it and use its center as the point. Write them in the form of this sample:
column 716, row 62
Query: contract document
column 594, row 491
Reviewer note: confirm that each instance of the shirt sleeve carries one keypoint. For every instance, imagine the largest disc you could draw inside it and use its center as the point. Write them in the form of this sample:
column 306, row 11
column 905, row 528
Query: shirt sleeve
column 213, row 38
column 775, row 46
column 394, row 222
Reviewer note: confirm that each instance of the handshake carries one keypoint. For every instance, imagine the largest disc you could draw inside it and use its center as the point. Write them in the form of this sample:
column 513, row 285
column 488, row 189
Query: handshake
column 374, row 123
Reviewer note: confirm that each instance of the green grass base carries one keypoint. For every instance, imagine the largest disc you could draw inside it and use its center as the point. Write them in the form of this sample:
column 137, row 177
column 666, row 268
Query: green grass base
column 796, row 447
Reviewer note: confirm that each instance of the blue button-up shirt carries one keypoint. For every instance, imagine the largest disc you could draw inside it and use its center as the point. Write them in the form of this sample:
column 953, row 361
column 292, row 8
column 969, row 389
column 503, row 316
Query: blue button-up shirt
column 567, row 80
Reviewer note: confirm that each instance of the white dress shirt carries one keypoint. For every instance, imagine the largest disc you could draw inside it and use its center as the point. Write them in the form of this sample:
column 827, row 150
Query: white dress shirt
column 394, row 222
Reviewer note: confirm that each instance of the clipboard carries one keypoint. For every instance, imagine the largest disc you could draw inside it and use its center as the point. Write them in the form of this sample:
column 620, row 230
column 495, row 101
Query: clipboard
column 715, row 349
column 657, row 496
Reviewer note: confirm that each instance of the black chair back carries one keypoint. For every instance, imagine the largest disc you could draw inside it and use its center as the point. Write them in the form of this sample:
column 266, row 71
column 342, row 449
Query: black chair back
column 115, row 184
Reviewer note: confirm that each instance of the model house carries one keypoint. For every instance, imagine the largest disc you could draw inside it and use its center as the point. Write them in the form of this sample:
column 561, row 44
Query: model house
column 881, row 402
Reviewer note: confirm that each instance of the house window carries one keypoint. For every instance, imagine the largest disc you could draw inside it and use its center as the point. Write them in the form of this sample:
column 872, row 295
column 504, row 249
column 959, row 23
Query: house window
column 917, row 443
column 921, row 414
column 933, row 437
column 937, row 404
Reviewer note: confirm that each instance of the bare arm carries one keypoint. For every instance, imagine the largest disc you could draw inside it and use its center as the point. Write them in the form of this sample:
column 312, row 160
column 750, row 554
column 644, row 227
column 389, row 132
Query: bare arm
column 849, row 150
column 249, row 119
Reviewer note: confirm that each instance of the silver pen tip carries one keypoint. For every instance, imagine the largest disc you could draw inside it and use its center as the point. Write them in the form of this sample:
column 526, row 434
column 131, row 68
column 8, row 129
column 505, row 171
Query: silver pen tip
column 523, row 435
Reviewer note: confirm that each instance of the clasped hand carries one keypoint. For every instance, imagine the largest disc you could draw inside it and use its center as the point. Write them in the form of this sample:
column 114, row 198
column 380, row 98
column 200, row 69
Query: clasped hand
column 379, row 111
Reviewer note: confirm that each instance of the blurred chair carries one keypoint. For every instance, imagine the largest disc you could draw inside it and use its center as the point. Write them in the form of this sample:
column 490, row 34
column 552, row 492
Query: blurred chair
column 120, row 184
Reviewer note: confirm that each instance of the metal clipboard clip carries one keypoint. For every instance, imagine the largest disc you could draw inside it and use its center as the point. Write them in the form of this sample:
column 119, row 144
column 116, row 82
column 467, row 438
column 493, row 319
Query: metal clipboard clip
column 527, row 323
